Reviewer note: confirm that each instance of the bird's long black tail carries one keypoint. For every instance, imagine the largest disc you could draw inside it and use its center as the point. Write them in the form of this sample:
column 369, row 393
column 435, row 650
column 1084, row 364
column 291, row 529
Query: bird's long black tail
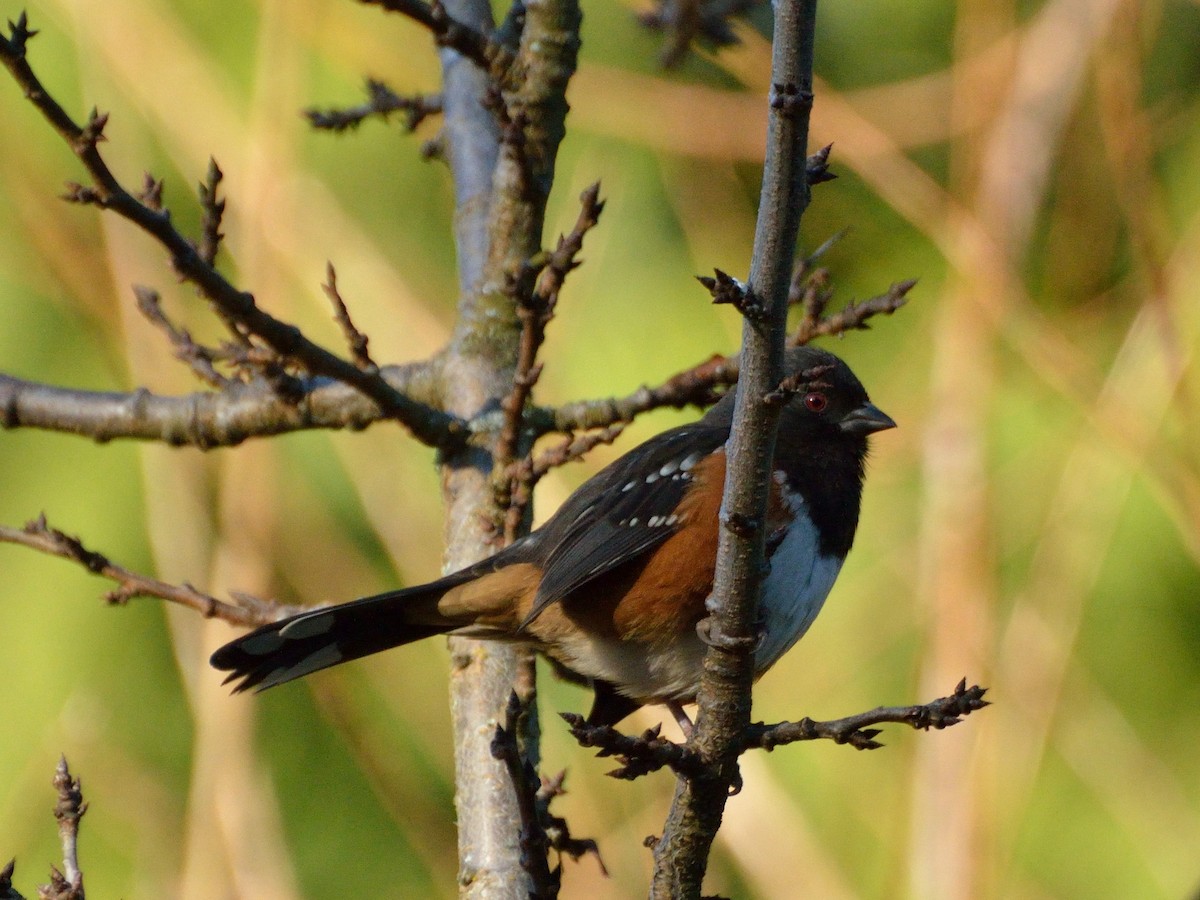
column 305, row 643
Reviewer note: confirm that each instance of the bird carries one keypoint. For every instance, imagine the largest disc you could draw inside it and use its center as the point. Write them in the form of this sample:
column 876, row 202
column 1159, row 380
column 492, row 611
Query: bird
column 612, row 588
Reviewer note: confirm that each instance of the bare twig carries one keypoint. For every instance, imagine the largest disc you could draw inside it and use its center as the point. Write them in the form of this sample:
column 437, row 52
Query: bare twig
column 570, row 450
column 474, row 45
column 534, row 843
column 641, row 755
column 853, row 316
column 213, row 208
column 564, row 258
column 724, row 697
column 68, row 811
column 727, row 289
column 535, row 308
column 355, row 339
column 695, row 386
column 38, row 535
column 557, row 832
column 650, row 752
column 430, row 426
column 525, row 474
column 382, row 101
column 198, row 357
column 205, row 419
column 857, row 731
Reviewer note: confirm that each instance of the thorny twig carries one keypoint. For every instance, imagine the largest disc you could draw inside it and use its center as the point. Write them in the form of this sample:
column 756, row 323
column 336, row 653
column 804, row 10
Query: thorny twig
column 650, row 752
column 534, row 843
column 38, row 535
column 382, row 101
column 525, row 474
column 198, row 357
column 536, row 291
column 429, row 425
column 480, row 48
column 641, row 755
column 557, row 832
column 697, row 386
column 856, row 731
column 210, row 227
column 355, row 339
column 851, row 317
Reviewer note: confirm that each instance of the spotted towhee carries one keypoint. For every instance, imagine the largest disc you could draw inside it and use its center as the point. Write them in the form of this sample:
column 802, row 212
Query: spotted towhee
column 612, row 587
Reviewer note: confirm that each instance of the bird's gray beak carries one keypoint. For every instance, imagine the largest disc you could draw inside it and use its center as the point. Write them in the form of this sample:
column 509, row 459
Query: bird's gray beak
column 867, row 419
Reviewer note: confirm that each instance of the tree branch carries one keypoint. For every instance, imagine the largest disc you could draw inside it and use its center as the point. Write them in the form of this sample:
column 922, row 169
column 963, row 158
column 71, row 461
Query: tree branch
column 234, row 305
column 533, row 842
column 382, row 101
column 448, row 31
column 209, row 419
column 681, row 857
column 249, row 611
column 857, row 731
column 650, row 752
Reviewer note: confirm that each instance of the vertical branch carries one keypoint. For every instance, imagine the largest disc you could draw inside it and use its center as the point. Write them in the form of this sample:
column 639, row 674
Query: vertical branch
column 481, row 676
column 501, row 146
column 681, row 856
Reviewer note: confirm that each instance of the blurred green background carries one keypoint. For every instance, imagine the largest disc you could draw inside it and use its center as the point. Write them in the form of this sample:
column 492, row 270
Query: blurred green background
column 1034, row 524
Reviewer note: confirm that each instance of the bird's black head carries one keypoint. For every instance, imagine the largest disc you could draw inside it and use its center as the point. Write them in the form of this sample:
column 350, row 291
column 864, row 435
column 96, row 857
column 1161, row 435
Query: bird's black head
column 822, row 445
column 825, row 402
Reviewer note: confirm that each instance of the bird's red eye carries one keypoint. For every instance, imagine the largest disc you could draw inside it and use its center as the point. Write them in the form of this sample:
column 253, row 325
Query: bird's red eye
column 815, row 402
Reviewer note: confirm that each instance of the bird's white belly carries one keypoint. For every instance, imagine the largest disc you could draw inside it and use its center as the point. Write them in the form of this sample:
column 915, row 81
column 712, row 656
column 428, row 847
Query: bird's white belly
column 668, row 670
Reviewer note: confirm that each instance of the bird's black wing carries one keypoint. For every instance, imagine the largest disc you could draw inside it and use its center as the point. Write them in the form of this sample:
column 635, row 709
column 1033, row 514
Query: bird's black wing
column 622, row 512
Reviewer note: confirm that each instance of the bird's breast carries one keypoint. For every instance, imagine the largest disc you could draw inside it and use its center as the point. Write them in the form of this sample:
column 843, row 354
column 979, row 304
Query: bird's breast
column 794, row 591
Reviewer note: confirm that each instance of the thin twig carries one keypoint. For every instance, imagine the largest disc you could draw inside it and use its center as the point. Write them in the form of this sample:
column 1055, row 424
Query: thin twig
column 447, row 32
column 38, row 535
column 68, row 811
column 686, row 20
column 557, row 831
column 430, row 426
column 382, row 101
column 650, row 752
column 198, row 357
column 213, row 208
column 536, row 302
column 525, row 474
column 697, row 386
column 355, row 339
column 534, row 843
column 857, row 731
column 638, row 756
column 854, row 316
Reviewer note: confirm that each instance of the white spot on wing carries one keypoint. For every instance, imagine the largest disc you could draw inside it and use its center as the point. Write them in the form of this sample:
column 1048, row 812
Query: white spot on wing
column 686, row 464
column 307, row 626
